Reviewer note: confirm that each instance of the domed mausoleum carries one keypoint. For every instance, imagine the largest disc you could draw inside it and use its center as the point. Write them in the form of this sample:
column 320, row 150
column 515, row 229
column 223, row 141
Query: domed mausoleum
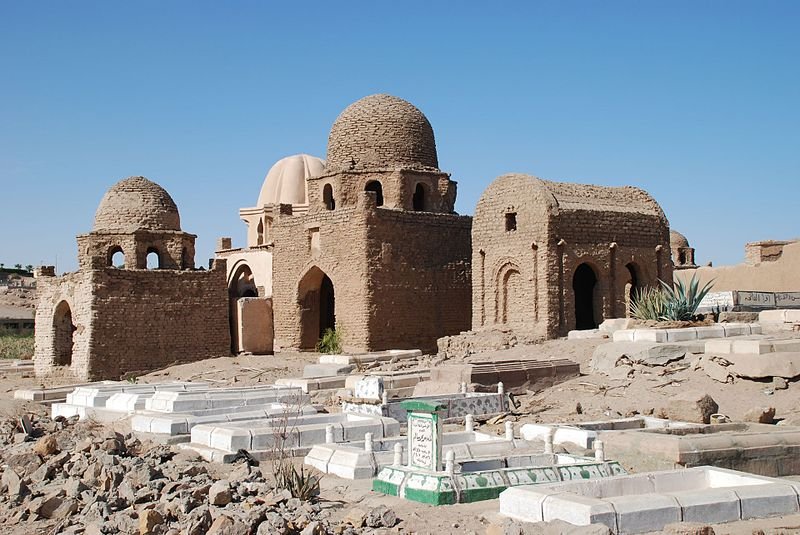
column 355, row 242
column 136, row 303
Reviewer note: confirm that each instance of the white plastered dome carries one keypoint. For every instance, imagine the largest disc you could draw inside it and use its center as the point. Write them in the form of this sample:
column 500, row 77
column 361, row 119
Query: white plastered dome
column 285, row 182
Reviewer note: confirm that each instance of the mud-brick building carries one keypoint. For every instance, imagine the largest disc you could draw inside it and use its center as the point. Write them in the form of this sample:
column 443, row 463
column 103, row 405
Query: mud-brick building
column 550, row 257
column 137, row 302
column 379, row 251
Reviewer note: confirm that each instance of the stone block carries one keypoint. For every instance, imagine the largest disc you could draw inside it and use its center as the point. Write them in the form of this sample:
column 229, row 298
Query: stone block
column 736, row 329
column 369, row 387
column 761, row 501
column 617, row 324
column 780, row 364
column 650, row 335
column 708, row 505
column 713, row 331
column 625, row 335
column 588, row 334
column 645, row 512
column 326, row 370
column 681, row 335
column 777, row 316
column 689, row 407
column 719, row 346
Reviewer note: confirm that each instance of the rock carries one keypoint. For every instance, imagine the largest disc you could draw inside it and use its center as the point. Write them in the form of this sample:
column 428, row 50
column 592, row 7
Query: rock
column 46, row 446
column 13, row 484
column 24, row 464
column 57, row 508
column 608, row 356
column 688, row 528
column 313, row 528
column 220, row 493
column 716, row 371
column 779, row 383
column 225, row 525
column 690, row 407
column 199, row 521
column 149, row 519
column 761, row 415
column 778, row 364
column 355, row 517
column 274, row 524
column 381, row 517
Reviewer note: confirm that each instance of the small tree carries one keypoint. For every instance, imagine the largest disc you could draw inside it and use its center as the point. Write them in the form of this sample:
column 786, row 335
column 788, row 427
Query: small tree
column 17, row 266
column 29, row 268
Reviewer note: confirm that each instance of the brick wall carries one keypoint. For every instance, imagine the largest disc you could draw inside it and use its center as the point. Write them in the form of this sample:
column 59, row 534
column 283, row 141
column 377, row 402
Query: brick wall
column 529, row 237
column 134, row 321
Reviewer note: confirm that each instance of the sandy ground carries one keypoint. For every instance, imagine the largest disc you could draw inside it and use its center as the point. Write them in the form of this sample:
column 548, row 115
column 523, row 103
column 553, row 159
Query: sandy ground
column 600, row 397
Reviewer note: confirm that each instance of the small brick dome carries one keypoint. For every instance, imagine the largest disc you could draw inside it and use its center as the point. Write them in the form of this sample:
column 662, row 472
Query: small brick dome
column 286, row 180
column 381, row 131
column 676, row 239
column 136, row 203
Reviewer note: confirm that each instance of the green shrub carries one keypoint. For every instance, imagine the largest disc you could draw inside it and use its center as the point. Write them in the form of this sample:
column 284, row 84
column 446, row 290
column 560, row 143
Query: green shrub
column 16, row 346
column 676, row 302
column 303, row 485
column 331, row 342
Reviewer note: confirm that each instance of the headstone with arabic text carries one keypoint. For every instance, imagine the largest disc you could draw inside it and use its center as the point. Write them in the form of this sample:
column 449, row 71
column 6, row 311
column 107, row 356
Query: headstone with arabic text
column 424, row 434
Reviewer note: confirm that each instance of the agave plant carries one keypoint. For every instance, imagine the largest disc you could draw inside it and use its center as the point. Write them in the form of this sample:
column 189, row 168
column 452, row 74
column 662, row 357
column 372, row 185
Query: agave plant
column 676, row 302
column 648, row 303
column 682, row 300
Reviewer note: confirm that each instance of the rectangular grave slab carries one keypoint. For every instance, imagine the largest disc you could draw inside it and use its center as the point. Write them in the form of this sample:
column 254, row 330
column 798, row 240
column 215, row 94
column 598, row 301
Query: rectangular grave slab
column 516, row 375
column 585, row 433
column 762, row 449
column 649, row 501
column 368, row 358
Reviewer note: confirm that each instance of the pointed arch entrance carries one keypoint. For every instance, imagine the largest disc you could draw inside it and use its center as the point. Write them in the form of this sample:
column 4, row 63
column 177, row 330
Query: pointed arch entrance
column 63, row 339
column 583, row 284
column 241, row 284
column 317, row 301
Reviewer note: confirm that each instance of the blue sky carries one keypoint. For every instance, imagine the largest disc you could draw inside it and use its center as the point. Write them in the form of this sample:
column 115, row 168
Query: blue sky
column 696, row 102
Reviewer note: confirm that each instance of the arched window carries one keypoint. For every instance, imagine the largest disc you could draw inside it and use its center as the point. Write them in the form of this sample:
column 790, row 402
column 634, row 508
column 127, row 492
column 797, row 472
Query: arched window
column 260, row 230
column 153, row 258
column 327, row 197
column 374, row 185
column 116, row 258
column 418, row 200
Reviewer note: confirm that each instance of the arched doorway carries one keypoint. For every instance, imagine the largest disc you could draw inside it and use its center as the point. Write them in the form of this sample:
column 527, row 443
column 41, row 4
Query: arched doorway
column 510, row 310
column 583, row 285
column 327, row 197
column 63, row 339
column 374, row 185
column 317, row 307
column 241, row 285
column 631, row 287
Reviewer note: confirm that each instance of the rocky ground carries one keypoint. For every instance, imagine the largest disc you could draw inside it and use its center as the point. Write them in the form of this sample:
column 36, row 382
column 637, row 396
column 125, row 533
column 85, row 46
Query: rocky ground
column 80, row 477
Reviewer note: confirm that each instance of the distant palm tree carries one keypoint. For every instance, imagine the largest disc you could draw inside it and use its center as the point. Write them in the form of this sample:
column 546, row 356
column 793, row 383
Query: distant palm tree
column 17, row 266
column 29, row 268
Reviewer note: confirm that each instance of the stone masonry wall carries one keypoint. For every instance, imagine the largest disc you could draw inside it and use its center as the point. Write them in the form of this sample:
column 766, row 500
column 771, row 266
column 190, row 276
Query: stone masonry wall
column 420, row 283
column 76, row 290
column 145, row 320
column 339, row 251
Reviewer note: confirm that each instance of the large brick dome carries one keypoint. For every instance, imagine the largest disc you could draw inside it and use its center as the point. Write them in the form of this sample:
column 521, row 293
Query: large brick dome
column 379, row 132
column 136, row 203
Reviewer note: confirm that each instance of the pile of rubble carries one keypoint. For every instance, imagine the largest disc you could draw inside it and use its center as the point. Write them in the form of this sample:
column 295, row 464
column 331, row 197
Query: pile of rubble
column 70, row 477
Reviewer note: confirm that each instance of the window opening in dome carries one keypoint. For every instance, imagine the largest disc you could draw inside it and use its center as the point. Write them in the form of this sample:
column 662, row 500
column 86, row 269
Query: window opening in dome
column 327, row 197
column 116, row 258
column 374, row 185
column 418, row 200
column 260, row 230
column 511, row 221
column 153, row 258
